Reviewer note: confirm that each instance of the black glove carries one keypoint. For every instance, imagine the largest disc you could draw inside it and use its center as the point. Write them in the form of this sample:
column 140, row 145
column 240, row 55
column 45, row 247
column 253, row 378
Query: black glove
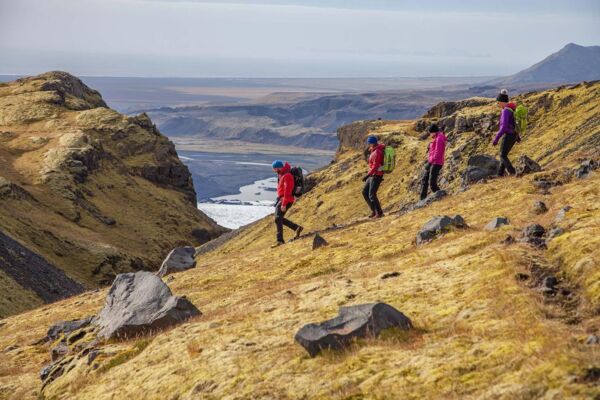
column 365, row 178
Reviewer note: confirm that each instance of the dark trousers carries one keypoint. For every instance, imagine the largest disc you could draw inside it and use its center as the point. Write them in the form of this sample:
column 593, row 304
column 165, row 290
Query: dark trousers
column 508, row 141
column 432, row 172
column 280, row 221
column 370, row 193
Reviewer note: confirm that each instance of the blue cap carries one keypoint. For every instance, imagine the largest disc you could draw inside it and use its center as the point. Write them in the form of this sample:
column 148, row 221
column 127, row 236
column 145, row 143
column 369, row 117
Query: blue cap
column 277, row 164
column 371, row 140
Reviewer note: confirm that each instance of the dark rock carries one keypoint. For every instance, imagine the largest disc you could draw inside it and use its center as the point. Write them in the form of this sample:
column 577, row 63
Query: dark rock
column 480, row 167
column 365, row 320
column 179, row 259
column 138, row 303
column 585, row 168
column 539, row 207
column 592, row 339
column 389, row 275
column 66, row 327
column 521, row 276
column 562, row 213
column 318, row 241
column 525, row 165
column 496, row 223
column 592, row 375
column 437, row 226
column 534, row 235
column 549, row 284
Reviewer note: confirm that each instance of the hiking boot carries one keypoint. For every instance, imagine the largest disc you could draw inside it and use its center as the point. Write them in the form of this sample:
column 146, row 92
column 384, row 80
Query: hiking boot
column 277, row 244
column 377, row 216
column 298, row 232
column 372, row 215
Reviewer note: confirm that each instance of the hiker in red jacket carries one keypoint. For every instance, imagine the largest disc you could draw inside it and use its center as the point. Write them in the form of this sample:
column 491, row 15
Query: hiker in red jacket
column 435, row 161
column 285, row 199
column 374, row 178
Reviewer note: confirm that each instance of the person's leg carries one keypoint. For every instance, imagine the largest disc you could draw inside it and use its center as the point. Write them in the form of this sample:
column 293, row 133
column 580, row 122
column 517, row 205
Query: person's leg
column 508, row 141
column 365, row 193
column 279, row 222
column 374, row 187
column 425, row 182
column 286, row 221
column 433, row 178
column 511, row 142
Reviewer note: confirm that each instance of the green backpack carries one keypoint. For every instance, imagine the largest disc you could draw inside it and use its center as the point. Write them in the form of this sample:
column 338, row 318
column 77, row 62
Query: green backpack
column 389, row 160
column 520, row 115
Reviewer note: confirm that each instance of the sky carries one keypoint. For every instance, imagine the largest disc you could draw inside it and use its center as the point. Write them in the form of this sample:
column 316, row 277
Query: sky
column 287, row 38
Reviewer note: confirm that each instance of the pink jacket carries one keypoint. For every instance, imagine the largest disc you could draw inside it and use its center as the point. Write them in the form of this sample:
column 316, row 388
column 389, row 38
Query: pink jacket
column 437, row 148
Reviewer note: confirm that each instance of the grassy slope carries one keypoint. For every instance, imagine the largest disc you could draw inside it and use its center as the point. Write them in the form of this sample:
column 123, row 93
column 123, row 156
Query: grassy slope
column 480, row 332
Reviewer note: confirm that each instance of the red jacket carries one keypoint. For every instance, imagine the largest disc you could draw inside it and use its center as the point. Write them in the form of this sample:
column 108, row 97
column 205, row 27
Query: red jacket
column 376, row 160
column 436, row 149
column 285, row 185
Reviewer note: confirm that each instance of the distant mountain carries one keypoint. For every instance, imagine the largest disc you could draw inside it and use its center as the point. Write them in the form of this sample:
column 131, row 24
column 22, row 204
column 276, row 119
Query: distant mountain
column 571, row 64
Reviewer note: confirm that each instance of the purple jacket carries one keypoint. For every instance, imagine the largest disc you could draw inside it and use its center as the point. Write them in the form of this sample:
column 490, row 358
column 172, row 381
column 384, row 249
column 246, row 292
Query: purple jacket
column 437, row 148
column 507, row 124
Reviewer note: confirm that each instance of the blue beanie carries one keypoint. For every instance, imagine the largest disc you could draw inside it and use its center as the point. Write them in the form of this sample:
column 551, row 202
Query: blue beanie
column 277, row 164
column 371, row 140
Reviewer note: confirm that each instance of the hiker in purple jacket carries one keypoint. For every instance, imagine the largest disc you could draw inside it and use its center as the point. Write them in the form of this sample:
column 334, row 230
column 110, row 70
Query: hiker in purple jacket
column 435, row 161
column 506, row 132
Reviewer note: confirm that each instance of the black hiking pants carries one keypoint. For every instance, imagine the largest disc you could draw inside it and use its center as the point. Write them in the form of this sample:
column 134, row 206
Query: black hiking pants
column 370, row 193
column 432, row 172
column 280, row 221
column 508, row 141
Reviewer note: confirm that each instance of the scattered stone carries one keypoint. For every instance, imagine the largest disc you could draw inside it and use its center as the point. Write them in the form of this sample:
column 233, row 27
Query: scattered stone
column 508, row 240
column 66, row 327
column 525, row 165
column 437, row 226
column 480, row 167
column 496, row 223
column 179, row 259
column 585, row 168
column 539, row 207
column 592, row 339
column 534, row 235
column 562, row 213
column 549, row 284
column 554, row 232
column 364, row 320
column 430, row 199
column 389, row 275
column 138, row 303
column 591, row 375
column 521, row 276
column 318, row 242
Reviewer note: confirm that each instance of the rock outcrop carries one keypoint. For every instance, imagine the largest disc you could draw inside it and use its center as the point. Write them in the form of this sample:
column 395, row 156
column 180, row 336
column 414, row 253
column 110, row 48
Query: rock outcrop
column 139, row 303
column 92, row 192
column 480, row 167
column 496, row 223
column 364, row 320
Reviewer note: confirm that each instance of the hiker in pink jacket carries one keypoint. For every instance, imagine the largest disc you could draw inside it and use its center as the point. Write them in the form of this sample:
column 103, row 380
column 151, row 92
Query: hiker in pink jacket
column 435, row 161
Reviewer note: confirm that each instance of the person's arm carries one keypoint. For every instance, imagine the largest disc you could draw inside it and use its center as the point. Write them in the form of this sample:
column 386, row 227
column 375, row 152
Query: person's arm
column 288, row 189
column 373, row 166
column 438, row 150
column 503, row 126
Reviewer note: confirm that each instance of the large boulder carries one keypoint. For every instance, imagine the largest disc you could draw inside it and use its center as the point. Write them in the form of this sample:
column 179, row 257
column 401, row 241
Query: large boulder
column 364, row 320
column 66, row 327
column 480, row 167
column 179, row 259
column 437, row 226
column 138, row 303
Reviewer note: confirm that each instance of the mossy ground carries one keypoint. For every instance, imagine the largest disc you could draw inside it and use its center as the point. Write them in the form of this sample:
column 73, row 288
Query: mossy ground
column 480, row 332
